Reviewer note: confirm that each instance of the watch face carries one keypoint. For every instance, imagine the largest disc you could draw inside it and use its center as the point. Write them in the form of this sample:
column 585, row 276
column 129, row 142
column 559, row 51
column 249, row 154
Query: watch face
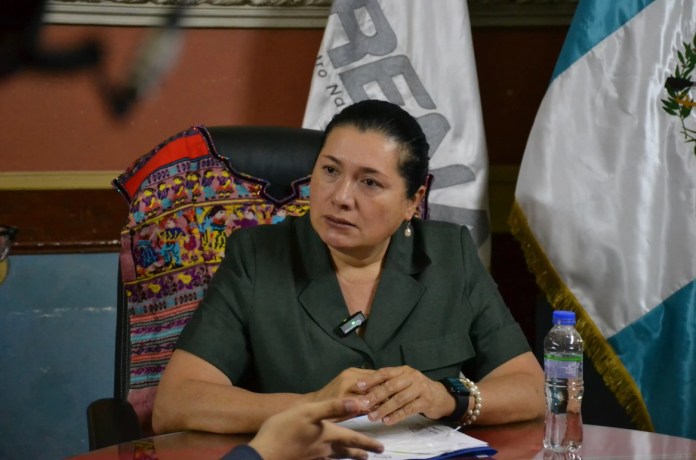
column 455, row 386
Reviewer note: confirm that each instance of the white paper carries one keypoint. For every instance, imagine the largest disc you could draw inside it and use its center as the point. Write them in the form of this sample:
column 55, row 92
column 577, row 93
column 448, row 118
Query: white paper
column 414, row 438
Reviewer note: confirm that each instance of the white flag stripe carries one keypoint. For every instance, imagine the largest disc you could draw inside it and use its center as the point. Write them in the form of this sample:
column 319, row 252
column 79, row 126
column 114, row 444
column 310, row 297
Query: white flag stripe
column 589, row 186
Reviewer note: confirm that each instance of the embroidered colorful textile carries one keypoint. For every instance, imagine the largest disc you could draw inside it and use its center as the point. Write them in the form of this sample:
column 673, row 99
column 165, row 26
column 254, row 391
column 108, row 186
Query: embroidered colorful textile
column 184, row 202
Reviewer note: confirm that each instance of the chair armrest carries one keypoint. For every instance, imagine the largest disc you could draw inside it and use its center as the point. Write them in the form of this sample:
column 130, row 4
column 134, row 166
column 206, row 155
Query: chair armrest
column 111, row 421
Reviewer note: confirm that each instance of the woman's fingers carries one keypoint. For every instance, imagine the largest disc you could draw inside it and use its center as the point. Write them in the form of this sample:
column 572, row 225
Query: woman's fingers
column 344, row 385
column 385, row 384
column 399, row 406
column 372, row 379
column 396, row 393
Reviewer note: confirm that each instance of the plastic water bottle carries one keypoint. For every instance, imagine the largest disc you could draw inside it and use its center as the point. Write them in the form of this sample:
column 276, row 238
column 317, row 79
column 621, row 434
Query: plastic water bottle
column 564, row 387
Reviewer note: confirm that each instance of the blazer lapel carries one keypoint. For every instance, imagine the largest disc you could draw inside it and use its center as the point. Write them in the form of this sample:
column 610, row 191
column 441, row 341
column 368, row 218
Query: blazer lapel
column 319, row 293
column 397, row 295
column 399, row 291
column 324, row 303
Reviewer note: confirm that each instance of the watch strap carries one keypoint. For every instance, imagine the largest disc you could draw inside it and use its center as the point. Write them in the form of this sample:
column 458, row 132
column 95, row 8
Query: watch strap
column 461, row 394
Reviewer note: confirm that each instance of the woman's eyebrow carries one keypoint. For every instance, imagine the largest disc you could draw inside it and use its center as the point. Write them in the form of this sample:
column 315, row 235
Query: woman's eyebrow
column 363, row 169
column 334, row 159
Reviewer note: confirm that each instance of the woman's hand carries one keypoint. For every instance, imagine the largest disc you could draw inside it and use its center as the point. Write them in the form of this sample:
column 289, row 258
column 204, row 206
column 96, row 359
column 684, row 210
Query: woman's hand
column 344, row 385
column 394, row 393
column 303, row 433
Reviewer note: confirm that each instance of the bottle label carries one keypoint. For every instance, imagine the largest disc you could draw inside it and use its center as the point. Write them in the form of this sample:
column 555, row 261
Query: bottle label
column 562, row 367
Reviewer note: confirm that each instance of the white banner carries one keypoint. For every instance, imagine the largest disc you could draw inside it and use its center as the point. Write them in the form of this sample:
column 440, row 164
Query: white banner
column 417, row 54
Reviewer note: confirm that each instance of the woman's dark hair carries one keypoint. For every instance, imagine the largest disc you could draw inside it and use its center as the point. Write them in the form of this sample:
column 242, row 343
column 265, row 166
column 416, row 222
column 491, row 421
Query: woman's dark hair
column 397, row 124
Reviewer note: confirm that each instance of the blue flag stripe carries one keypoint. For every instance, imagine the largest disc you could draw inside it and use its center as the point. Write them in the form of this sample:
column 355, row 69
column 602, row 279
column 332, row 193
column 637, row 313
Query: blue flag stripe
column 593, row 22
column 659, row 351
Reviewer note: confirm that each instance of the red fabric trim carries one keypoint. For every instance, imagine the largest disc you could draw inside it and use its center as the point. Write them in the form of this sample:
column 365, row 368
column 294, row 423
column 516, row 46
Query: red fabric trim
column 189, row 147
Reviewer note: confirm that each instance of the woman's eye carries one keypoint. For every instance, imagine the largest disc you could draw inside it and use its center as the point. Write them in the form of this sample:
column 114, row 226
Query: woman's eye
column 371, row 183
column 330, row 170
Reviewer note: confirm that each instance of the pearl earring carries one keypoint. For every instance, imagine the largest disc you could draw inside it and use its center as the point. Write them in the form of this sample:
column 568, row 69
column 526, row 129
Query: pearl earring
column 408, row 231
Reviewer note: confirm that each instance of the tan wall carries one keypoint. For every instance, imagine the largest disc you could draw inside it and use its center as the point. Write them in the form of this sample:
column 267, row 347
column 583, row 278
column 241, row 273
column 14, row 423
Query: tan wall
column 224, row 76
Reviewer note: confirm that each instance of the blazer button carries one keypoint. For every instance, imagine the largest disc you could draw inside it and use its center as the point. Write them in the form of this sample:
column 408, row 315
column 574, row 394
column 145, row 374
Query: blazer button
column 366, row 366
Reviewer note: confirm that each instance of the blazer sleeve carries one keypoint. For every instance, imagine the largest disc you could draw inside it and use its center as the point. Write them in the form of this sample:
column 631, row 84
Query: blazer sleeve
column 218, row 329
column 496, row 336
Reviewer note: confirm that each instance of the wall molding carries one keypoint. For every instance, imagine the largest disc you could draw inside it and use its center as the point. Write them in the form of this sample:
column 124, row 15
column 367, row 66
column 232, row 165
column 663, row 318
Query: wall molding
column 282, row 13
column 57, row 180
column 112, row 13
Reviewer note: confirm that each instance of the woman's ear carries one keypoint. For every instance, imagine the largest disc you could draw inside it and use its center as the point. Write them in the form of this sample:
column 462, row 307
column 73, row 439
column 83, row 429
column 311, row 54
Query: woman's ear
column 415, row 202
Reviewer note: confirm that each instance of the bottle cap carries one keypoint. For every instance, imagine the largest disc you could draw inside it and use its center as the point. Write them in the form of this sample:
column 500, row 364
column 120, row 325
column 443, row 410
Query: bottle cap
column 563, row 317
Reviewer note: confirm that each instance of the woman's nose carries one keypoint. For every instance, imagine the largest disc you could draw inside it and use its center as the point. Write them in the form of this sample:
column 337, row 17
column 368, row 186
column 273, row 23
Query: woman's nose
column 343, row 195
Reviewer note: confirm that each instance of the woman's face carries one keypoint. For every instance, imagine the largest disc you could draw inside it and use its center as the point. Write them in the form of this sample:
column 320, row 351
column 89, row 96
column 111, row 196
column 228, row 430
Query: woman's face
column 358, row 198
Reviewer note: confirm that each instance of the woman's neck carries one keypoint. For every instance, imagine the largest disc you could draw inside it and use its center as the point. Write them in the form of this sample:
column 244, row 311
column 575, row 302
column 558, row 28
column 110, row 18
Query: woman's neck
column 358, row 269
column 358, row 279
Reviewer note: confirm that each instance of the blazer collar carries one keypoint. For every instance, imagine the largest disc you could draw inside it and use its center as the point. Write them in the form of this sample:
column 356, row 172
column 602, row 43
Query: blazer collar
column 397, row 294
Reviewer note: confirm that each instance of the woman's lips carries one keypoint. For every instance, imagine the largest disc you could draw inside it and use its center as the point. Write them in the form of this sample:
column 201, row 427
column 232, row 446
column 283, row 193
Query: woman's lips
column 338, row 222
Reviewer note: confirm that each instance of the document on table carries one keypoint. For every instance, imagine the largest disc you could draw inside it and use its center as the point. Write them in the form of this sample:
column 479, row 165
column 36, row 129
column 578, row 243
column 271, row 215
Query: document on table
column 419, row 438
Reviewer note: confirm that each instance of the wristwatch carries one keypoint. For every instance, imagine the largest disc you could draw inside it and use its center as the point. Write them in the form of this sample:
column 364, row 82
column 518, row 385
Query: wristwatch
column 461, row 398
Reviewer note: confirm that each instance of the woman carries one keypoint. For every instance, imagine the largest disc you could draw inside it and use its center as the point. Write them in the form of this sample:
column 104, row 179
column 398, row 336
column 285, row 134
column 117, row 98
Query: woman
column 265, row 338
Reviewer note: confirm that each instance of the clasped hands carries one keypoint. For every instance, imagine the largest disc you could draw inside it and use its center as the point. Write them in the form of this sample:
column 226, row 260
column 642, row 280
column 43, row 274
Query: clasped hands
column 390, row 394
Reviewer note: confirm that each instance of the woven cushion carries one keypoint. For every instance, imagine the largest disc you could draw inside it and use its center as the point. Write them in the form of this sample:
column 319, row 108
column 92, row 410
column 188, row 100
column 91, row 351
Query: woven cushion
column 184, row 202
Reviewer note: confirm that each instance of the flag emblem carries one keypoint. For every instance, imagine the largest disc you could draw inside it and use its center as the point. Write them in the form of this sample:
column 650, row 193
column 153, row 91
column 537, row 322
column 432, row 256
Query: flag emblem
column 679, row 103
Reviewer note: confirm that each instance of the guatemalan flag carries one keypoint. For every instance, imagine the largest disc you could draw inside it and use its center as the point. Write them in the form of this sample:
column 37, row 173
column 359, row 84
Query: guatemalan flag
column 606, row 200
column 417, row 54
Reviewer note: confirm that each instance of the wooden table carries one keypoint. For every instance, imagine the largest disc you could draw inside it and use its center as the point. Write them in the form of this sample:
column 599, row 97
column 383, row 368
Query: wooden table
column 525, row 441
column 513, row 441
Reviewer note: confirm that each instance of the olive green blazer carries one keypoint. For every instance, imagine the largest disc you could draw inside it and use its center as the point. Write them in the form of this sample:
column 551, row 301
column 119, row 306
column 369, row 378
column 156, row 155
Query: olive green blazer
column 269, row 317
